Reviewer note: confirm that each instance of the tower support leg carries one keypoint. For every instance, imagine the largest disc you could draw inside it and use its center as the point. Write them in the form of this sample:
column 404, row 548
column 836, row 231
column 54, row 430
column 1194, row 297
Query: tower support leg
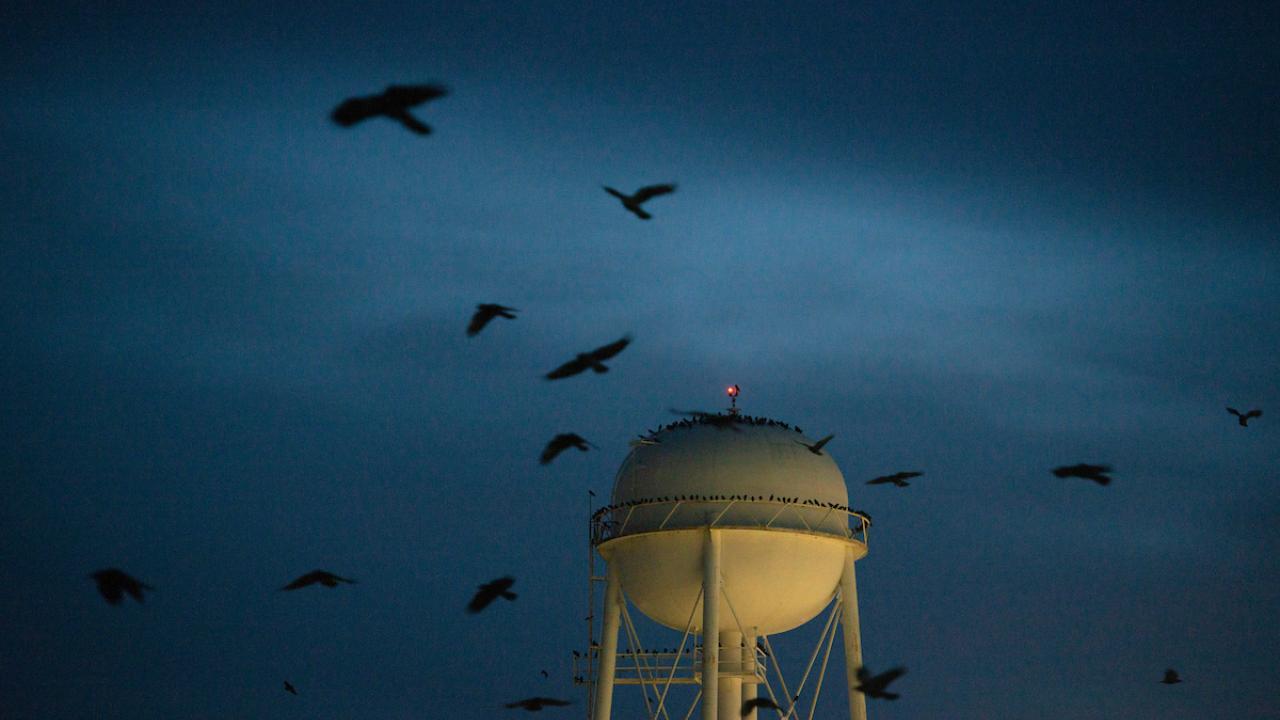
column 730, row 682
column 852, row 637
column 608, row 645
column 710, row 625
column 749, row 685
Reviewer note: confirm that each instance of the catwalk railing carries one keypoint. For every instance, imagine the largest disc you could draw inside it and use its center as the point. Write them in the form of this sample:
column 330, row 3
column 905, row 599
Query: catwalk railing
column 610, row 522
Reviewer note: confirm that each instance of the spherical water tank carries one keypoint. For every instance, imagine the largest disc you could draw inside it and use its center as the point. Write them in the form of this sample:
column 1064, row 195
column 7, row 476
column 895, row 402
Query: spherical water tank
column 780, row 510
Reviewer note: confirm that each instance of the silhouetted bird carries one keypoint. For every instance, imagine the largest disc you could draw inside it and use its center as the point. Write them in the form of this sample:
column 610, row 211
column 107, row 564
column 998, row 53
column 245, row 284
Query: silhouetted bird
column 816, row 448
column 760, row 702
column 113, row 583
column 1171, row 677
column 898, row 479
column 544, row 674
column 633, row 202
column 593, row 360
column 1096, row 473
column 486, row 312
column 1244, row 419
column 394, row 102
column 491, row 591
column 874, row 686
column 563, row 442
column 324, row 577
column 290, row 688
column 534, row 704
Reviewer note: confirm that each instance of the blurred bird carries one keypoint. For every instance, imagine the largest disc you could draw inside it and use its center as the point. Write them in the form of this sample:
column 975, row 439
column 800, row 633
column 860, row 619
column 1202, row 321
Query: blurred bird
column 534, row 704
column 593, row 360
column 1171, row 677
column 486, row 312
column 1244, row 419
column 563, row 442
column 760, row 702
column 544, row 674
column 491, row 591
column 394, row 102
column 113, row 583
column 898, row 479
column 1096, row 473
column 324, row 577
column 633, row 202
column 816, row 448
column 874, row 686
column 290, row 688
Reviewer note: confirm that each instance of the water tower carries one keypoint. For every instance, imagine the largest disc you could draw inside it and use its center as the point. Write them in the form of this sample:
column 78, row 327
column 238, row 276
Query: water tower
column 727, row 528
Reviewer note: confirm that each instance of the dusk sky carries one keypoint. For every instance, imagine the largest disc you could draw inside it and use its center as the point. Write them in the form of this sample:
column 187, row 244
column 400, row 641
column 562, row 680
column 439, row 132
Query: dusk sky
column 978, row 241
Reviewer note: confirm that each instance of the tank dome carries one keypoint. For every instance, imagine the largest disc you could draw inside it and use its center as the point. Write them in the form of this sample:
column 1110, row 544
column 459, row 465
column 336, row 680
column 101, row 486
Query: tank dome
column 781, row 510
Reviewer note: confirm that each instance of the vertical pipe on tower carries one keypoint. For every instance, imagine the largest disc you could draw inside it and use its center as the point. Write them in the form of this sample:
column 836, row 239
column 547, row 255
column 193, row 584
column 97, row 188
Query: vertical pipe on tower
column 608, row 644
column 852, row 637
column 710, row 624
column 749, row 686
column 730, row 682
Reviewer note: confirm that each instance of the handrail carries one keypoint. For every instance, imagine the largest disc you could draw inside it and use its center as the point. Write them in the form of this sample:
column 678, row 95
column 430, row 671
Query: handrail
column 603, row 526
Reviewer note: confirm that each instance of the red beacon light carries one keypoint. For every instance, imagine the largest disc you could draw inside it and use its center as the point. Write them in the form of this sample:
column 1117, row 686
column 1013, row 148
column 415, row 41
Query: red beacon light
column 733, row 391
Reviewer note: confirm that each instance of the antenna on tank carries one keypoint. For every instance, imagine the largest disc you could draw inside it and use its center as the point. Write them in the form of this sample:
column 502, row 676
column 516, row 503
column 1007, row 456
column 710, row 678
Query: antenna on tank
column 733, row 391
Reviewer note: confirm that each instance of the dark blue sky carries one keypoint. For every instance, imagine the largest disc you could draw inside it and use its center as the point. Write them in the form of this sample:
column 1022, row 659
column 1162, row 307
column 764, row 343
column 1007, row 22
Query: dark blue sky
column 980, row 242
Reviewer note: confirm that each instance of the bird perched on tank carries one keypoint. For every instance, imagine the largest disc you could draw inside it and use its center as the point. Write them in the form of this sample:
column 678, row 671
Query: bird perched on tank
column 534, row 704
column 1243, row 419
column 323, row 577
column 113, row 583
column 593, row 360
column 490, row 591
column 874, row 686
column 1096, row 473
column 486, row 312
column 816, row 448
column 563, row 442
column 898, row 479
column 633, row 202
column 759, row 702
column 1171, row 677
column 394, row 102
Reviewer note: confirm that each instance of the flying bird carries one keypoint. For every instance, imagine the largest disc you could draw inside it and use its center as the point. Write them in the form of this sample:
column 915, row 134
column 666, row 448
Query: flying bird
column 816, row 448
column 1171, row 677
column 1096, row 473
column 288, row 686
column 113, row 583
column 534, row 704
column 491, row 591
column 898, row 479
column 760, row 702
column 544, row 674
column 874, row 686
column 593, row 360
column 563, row 442
column 1244, row 419
column 633, row 202
column 486, row 312
column 324, row 577
column 394, row 102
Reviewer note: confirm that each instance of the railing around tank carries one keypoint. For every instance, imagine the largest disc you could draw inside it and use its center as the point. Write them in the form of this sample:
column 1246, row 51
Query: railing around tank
column 605, row 524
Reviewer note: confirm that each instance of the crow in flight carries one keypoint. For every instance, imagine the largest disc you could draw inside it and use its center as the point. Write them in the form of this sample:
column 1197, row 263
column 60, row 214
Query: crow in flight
column 113, row 583
column 534, row 704
column 288, row 686
column 1244, row 419
column 760, row 702
column 563, row 442
column 816, row 448
column 874, row 686
column 486, row 312
column 394, row 102
column 324, row 577
column 633, row 202
column 898, row 479
column 1096, row 473
column 491, row 591
column 593, row 360
column 1171, row 677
